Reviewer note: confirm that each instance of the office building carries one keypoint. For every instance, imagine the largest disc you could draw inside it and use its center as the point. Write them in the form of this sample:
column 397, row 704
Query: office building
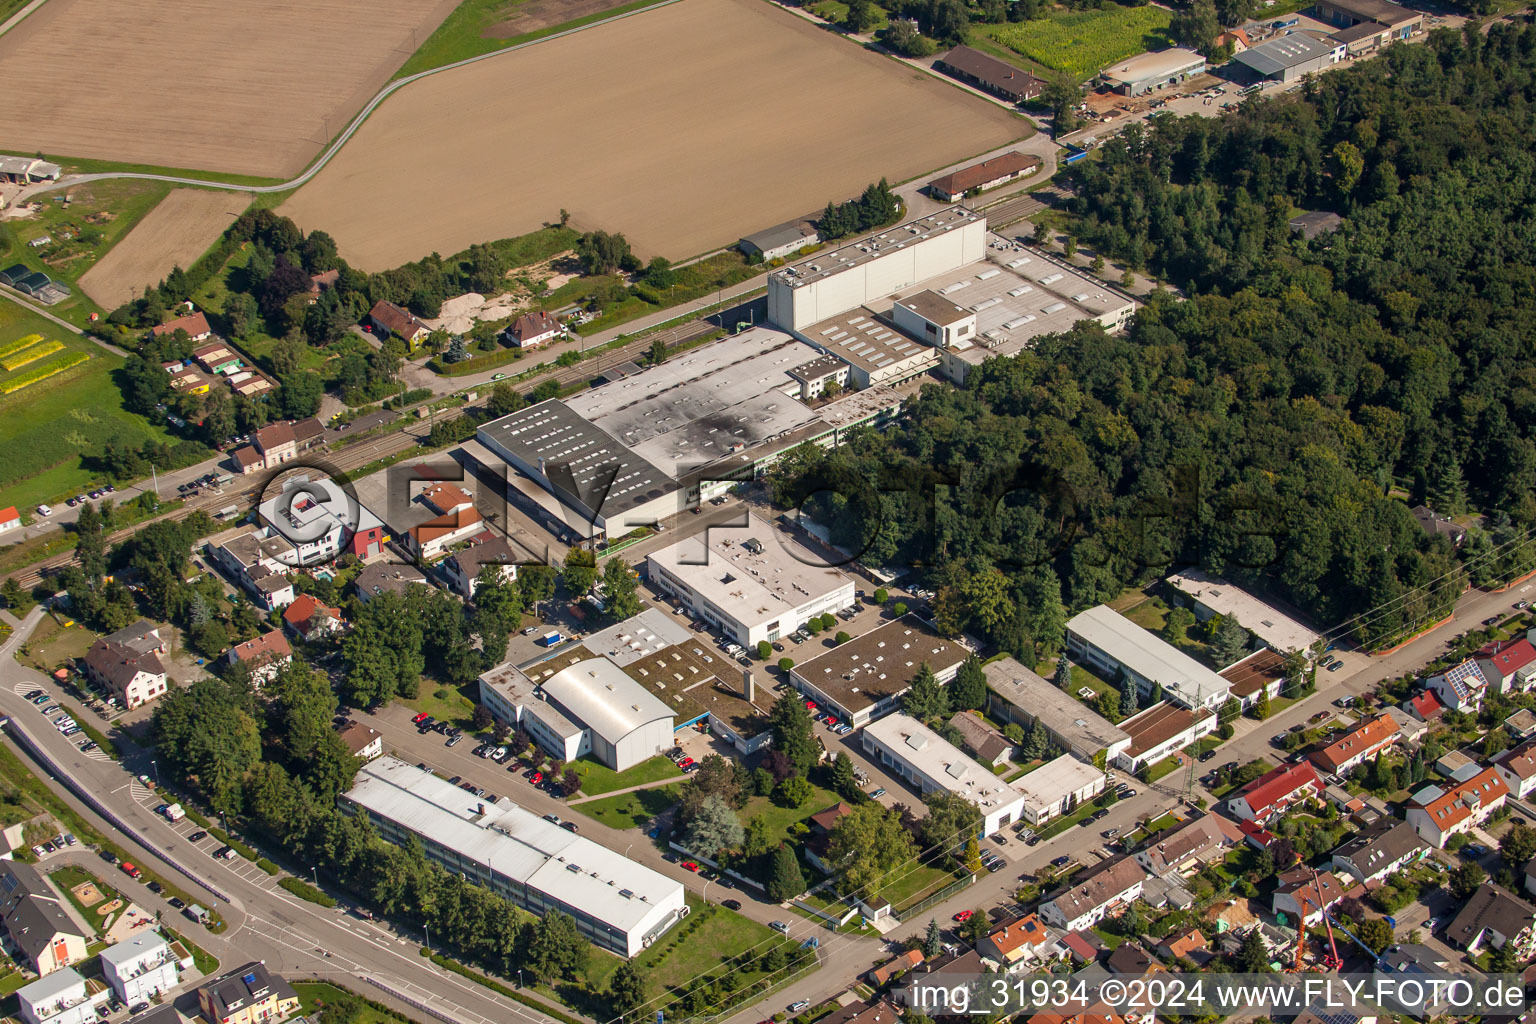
column 922, row 757
column 1109, row 643
column 616, row 903
column 863, row 678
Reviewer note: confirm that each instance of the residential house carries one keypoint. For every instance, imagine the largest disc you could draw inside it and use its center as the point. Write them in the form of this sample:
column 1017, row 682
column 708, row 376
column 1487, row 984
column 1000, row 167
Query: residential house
column 191, row 380
column 1517, row 767
column 272, row 445
column 1521, row 725
column 1354, row 748
column 816, row 844
column 1374, row 853
column 534, row 329
column 1492, row 917
column 1426, row 707
column 246, row 995
column 979, row 739
column 1460, row 687
column 1303, row 894
column 1020, row 944
column 265, row 656
column 461, row 570
column 258, row 561
column 1276, row 790
column 1456, row 765
column 457, row 520
column 323, row 281
column 390, row 320
column 1189, row 847
column 1436, row 525
column 1130, row 958
column 881, row 1011
column 1509, row 666
column 893, row 968
column 43, row 935
column 195, row 324
column 311, row 619
column 63, row 997
column 308, row 433
column 127, row 664
column 141, row 967
column 10, row 519
column 1097, row 895
column 386, row 576
column 363, row 741
column 1187, row 945
column 1411, row 729
column 1083, row 947
column 1264, row 670
column 1437, row 813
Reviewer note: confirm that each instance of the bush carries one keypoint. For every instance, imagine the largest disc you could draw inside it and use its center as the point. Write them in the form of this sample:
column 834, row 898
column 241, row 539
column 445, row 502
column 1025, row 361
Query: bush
column 785, row 664
column 267, row 866
column 882, row 595
column 899, row 608
column 842, row 637
column 304, row 891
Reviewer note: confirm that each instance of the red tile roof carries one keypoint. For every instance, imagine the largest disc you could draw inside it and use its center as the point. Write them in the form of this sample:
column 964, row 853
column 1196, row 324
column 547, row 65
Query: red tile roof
column 275, row 435
column 395, row 320
column 1510, row 657
column 1427, row 705
column 444, row 525
column 1455, row 805
column 262, row 649
column 1369, row 736
column 1272, row 788
column 9, row 515
column 976, row 175
column 532, row 325
column 194, row 324
column 303, row 610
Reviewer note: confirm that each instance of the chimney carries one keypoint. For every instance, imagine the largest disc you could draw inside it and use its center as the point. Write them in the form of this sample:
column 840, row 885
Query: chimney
column 748, row 687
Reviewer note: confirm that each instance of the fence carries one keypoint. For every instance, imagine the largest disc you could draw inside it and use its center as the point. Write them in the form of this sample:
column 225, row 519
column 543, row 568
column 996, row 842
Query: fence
column 904, row 913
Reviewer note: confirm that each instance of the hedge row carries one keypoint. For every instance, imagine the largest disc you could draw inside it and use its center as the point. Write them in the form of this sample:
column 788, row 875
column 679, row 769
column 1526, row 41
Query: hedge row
column 304, row 891
column 498, row 987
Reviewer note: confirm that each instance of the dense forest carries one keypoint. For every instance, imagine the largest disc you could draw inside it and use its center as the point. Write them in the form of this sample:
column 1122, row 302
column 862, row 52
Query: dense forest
column 1277, row 424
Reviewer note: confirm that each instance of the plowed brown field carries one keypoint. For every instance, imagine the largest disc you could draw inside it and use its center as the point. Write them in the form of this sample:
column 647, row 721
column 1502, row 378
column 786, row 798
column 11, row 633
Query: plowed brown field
column 236, row 86
column 175, row 233
column 684, row 127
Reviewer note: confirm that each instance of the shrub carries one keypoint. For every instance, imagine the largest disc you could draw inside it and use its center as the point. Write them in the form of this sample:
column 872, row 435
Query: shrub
column 304, row 891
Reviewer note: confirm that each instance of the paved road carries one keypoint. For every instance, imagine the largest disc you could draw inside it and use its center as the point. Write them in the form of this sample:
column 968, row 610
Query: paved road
column 264, row 921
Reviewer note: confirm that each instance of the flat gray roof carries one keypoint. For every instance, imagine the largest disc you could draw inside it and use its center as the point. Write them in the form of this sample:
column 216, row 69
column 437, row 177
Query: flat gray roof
column 861, row 340
column 825, row 264
column 578, row 457
column 942, row 762
column 1282, row 53
column 636, row 637
column 133, row 948
column 696, row 406
column 1060, row 712
column 934, row 308
column 749, row 585
column 515, row 843
column 1271, row 625
column 1154, row 65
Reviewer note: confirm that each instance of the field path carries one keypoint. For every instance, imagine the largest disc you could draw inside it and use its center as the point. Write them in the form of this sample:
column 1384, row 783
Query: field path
column 16, row 18
column 341, row 140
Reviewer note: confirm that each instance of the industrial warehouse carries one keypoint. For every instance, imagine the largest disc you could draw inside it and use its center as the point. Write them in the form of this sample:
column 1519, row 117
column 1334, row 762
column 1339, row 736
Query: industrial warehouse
column 619, row 905
column 936, row 294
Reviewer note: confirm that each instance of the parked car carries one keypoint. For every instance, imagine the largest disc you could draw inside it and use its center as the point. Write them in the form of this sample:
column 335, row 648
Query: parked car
column 963, row 916
column 176, row 902
column 689, row 865
column 799, row 1006
column 453, row 741
column 569, row 826
column 1209, row 755
column 130, row 870
column 779, row 926
column 878, row 793
column 225, row 853
column 731, row 904
column 197, row 837
column 156, row 887
column 1335, row 666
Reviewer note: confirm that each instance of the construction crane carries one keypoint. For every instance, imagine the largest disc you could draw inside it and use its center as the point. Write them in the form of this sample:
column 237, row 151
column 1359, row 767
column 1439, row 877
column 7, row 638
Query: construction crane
column 1331, row 962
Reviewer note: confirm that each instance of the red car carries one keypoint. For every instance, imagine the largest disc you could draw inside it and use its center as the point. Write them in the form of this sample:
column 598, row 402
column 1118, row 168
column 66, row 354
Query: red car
column 685, row 762
column 810, row 705
column 130, row 870
column 690, row 865
column 964, row 915
column 537, row 778
column 419, row 718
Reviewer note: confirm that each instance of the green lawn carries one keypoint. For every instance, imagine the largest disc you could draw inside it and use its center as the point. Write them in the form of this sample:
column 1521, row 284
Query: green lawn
column 1166, row 766
column 1083, row 43
column 463, row 33
column 914, row 882
column 836, row 10
column 48, row 427
column 721, row 934
column 1149, row 614
column 444, row 703
column 597, row 779
column 630, row 810
column 780, row 818
column 52, row 643
column 69, row 876
column 313, row 995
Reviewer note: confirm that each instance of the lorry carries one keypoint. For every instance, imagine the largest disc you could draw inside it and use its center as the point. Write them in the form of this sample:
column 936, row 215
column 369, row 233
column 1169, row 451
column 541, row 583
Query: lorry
column 173, row 812
column 550, row 639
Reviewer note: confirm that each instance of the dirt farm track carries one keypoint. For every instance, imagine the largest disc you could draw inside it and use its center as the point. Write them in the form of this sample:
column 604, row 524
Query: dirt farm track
column 236, row 86
column 175, row 233
column 683, row 127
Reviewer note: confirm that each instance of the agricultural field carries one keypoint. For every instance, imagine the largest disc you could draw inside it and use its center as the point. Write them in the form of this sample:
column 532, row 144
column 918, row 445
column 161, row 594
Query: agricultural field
column 484, row 26
column 248, row 88
column 1083, row 43
column 49, row 419
column 700, row 155
column 175, row 233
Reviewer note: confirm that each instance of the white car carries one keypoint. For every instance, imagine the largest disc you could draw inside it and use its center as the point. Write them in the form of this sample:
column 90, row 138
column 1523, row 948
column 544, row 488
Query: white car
column 44, row 511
